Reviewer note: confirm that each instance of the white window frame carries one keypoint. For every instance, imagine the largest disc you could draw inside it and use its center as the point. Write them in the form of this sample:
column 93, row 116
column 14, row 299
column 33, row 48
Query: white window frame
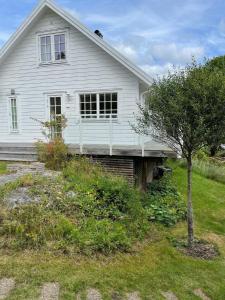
column 52, row 35
column 98, row 116
column 11, row 129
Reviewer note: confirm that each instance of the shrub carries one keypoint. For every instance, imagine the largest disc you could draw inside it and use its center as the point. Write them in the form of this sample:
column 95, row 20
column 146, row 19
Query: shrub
column 163, row 203
column 54, row 153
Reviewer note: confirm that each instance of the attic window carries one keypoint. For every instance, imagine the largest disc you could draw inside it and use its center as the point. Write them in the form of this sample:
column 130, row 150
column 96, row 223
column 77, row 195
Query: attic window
column 53, row 48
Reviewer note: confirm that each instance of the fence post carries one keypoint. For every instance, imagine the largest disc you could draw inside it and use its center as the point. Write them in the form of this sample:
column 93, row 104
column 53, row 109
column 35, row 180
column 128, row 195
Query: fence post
column 110, row 135
column 81, row 136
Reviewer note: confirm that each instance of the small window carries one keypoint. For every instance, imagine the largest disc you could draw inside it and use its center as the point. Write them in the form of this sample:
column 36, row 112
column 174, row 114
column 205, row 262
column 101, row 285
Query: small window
column 56, row 116
column 14, row 116
column 100, row 106
column 52, row 48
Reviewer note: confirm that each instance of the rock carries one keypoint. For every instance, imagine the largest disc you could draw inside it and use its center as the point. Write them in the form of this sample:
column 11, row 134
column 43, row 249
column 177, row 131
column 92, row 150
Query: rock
column 50, row 291
column 201, row 294
column 93, row 294
column 169, row 295
column 133, row 296
column 6, row 285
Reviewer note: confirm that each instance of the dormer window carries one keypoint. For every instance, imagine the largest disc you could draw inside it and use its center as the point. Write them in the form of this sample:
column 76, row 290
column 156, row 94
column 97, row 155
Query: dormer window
column 53, row 48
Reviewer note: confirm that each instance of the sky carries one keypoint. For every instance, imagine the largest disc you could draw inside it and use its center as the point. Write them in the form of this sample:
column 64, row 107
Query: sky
column 154, row 34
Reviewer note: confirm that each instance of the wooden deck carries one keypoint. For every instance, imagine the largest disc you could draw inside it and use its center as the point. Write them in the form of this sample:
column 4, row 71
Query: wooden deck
column 27, row 151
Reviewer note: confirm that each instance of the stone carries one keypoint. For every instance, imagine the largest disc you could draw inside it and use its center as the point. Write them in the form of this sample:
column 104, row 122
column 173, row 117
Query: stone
column 93, row 294
column 169, row 295
column 201, row 294
column 6, row 286
column 50, row 291
column 133, row 296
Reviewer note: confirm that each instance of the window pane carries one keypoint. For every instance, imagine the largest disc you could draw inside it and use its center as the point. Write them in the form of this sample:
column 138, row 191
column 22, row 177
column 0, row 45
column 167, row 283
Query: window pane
column 14, row 120
column 58, row 101
column 108, row 97
column 58, row 110
column 52, row 101
column 114, row 97
column 43, row 40
column 45, row 48
column 60, row 49
column 48, row 40
column 62, row 38
column 57, row 39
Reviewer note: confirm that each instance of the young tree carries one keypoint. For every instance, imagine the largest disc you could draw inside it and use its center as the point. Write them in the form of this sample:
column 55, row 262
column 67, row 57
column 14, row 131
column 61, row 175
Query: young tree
column 216, row 66
column 178, row 112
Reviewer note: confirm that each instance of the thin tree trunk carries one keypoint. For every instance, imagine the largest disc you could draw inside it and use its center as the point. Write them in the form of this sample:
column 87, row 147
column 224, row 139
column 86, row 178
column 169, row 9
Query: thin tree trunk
column 190, row 221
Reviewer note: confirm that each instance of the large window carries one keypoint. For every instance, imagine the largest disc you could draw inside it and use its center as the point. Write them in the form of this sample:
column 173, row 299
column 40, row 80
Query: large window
column 99, row 106
column 14, row 114
column 53, row 48
column 56, row 116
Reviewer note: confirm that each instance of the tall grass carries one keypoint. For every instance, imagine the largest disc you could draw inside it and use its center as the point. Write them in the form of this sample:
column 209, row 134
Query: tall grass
column 207, row 168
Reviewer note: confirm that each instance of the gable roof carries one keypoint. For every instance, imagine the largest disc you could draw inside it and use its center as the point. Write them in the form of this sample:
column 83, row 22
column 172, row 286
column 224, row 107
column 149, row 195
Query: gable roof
column 138, row 72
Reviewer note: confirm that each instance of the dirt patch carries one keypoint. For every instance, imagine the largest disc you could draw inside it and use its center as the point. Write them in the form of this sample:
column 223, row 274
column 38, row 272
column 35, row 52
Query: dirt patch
column 201, row 249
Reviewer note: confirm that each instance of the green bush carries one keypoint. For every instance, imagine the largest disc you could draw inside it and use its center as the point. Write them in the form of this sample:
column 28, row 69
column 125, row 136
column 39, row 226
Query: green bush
column 163, row 203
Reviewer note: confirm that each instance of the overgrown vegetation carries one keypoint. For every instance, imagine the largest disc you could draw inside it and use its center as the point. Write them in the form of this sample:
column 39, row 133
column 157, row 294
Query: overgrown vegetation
column 54, row 153
column 163, row 203
column 86, row 210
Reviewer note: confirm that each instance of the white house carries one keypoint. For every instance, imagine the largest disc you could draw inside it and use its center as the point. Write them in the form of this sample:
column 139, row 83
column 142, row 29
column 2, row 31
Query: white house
column 54, row 65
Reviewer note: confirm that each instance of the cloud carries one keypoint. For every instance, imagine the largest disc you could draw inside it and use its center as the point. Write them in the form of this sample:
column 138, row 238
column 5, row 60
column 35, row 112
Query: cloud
column 127, row 50
column 157, row 70
column 175, row 53
column 73, row 13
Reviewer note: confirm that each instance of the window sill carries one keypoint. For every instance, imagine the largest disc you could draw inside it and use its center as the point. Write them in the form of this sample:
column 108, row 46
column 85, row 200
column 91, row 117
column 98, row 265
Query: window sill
column 53, row 63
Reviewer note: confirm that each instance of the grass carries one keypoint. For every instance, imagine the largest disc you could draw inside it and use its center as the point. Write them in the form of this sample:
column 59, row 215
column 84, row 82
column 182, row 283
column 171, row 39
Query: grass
column 154, row 267
column 212, row 169
column 3, row 168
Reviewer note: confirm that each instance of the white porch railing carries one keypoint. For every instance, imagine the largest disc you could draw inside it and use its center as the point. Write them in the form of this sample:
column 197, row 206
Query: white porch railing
column 115, row 128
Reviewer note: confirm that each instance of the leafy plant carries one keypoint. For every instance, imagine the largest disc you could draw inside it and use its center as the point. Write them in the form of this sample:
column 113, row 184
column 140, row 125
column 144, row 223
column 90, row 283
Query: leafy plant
column 54, row 154
column 163, row 203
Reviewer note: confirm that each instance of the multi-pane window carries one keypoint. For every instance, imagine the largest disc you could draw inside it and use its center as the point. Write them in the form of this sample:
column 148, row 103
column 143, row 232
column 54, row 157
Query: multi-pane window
column 14, row 116
column 56, row 116
column 60, row 46
column 46, row 53
column 108, row 105
column 88, row 106
column 99, row 106
column 53, row 48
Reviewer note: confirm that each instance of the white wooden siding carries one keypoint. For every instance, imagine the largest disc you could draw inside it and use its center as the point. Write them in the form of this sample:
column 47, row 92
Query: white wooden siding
column 88, row 69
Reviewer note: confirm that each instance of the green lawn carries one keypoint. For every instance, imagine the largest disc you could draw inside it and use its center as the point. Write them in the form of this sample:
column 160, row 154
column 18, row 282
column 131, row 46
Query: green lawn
column 154, row 267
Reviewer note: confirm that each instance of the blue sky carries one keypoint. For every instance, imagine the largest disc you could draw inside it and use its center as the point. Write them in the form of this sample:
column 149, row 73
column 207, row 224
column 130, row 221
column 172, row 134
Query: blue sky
column 155, row 34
